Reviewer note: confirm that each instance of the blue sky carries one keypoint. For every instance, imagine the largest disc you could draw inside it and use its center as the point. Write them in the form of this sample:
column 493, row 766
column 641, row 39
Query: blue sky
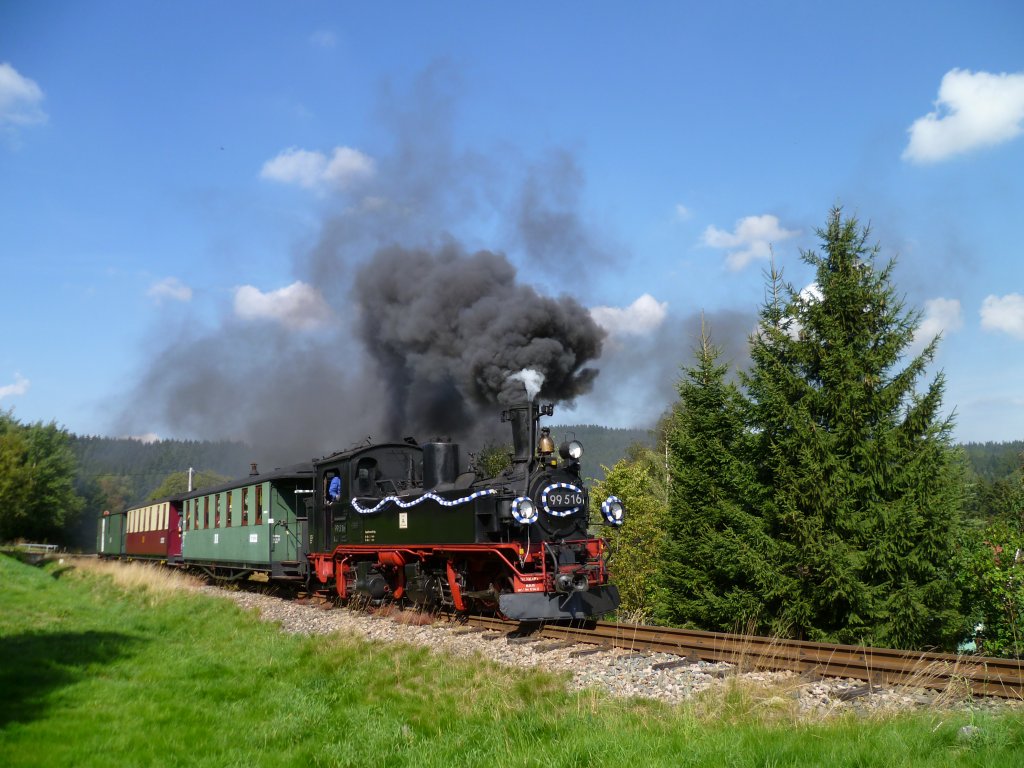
column 174, row 172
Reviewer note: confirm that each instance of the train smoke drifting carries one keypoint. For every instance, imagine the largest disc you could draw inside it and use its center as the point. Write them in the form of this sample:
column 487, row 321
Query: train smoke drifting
column 448, row 333
column 382, row 332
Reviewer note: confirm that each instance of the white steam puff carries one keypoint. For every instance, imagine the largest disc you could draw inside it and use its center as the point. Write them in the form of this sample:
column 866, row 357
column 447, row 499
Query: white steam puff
column 532, row 380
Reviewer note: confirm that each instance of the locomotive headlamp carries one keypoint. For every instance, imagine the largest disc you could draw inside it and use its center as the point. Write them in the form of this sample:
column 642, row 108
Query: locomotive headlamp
column 524, row 511
column 613, row 511
column 571, row 450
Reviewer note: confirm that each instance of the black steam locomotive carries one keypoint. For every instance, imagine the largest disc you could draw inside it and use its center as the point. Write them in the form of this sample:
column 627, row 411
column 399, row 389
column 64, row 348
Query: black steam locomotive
column 408, row 526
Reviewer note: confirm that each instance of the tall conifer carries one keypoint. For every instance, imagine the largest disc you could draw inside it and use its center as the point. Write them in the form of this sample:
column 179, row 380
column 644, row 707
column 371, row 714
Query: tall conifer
column 861, row 483
column 717, row 565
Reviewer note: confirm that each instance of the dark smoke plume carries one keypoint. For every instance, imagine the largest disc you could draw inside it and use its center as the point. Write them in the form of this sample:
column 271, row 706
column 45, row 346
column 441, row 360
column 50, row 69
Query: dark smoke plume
column 547, row 222
column 423, row 332
column 447, row 329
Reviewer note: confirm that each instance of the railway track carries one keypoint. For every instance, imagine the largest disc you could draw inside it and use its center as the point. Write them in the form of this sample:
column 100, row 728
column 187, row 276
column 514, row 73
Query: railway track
column 978, row 675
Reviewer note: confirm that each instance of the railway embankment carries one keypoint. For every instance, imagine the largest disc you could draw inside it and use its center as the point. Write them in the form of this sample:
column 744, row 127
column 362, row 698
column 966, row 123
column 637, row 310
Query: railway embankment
column 627, row 671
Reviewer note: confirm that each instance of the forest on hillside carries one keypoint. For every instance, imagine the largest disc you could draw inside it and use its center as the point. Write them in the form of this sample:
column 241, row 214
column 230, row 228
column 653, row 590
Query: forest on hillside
column 994, row 461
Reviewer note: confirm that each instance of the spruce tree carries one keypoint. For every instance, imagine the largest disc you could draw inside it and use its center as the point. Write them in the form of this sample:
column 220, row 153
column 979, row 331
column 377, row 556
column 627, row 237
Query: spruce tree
column 862, row 487
column 717, row 568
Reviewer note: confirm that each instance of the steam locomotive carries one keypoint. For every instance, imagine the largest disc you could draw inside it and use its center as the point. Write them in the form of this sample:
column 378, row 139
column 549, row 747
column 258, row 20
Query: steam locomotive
column 406, row 526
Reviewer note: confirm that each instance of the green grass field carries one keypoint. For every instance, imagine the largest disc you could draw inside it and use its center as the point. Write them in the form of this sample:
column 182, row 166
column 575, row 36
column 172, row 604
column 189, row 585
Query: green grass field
column 100, row 671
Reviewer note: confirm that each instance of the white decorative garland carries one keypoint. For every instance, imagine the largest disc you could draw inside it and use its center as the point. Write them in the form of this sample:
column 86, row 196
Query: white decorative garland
column 414, row 502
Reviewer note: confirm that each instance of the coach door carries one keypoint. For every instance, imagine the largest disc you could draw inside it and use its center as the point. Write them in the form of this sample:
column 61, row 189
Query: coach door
column 284, row 530
column 174, row 526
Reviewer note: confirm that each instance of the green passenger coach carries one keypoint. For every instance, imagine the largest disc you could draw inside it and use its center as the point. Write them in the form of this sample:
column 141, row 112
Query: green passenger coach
column 255, row 524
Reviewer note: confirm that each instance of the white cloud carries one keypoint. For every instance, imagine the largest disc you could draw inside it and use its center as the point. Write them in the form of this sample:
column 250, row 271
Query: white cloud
column 20, row 98
column 974, row 109
column 752, row 239
column 940, row 316
column 1004, row 313
column 170, row 288
column 639, row 318
column 314, row 170
column 682, row 212
column 811, row 293
column 19, row 387
column 297, row 306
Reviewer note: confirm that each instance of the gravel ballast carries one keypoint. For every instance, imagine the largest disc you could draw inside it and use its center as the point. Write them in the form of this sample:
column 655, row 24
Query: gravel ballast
column 619, row 672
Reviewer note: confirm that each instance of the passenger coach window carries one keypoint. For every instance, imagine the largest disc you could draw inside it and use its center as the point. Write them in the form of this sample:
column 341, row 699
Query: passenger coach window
column 259, row 505
column 216, row 511
column 188, row 517
column 206, row 511
column 245, row 506
column 227, row 513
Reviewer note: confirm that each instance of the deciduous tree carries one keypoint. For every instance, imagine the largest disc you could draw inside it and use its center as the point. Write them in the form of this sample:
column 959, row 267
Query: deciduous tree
column 635, row 549
column 177, row 482
column 37, row 470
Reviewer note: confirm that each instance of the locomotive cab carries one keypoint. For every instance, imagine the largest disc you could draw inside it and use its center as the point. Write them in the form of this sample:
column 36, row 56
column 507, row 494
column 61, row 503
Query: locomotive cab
column 367, row 475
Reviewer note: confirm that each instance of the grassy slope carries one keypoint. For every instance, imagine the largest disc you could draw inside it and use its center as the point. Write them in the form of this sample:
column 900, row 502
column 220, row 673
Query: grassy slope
column 94, row 673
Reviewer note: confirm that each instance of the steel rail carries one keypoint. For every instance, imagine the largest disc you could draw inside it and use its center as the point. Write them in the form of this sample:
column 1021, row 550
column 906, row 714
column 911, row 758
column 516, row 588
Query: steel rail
column 978, row 675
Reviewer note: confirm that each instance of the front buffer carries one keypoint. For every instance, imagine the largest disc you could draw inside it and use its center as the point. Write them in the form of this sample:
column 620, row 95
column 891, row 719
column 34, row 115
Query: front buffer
column 541, row 606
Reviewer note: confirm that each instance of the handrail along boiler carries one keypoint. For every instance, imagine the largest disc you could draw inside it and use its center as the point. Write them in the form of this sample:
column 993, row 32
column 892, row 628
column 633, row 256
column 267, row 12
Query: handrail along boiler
column 409, row 527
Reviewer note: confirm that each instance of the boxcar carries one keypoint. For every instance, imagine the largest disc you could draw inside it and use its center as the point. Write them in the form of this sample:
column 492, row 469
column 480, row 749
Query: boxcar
column 255, row 524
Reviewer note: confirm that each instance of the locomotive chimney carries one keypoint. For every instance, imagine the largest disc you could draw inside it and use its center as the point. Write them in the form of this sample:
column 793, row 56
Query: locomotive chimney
column 521, row 417
column 525, row 418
